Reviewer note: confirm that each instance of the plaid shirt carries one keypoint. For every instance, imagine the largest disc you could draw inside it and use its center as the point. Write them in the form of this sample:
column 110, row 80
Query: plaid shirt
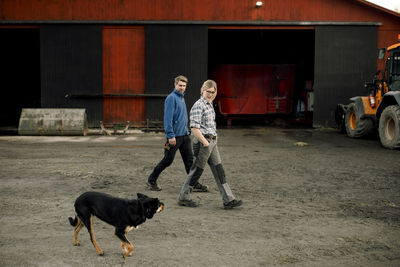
column 202, row 116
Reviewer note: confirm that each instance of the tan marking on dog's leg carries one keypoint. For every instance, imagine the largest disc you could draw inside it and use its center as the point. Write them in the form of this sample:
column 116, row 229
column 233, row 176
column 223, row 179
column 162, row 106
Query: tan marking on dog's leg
column 96, row 246
column 129, row 248
column 123, row 245
column 124, row 248
column 78, row 227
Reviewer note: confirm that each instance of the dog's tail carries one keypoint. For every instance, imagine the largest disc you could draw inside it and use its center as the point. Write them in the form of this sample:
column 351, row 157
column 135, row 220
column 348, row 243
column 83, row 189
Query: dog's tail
column 73, row 222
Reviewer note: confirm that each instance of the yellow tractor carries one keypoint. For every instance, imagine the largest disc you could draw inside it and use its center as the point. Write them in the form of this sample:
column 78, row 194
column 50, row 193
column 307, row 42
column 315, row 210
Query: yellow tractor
column 381, row 108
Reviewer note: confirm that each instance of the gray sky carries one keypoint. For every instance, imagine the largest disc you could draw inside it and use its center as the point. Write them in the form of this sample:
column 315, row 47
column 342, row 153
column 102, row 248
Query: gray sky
column 389, row 4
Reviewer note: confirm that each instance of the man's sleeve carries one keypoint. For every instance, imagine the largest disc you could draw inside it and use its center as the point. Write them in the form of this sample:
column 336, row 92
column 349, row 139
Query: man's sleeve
column 195, row 116
column 169, row 109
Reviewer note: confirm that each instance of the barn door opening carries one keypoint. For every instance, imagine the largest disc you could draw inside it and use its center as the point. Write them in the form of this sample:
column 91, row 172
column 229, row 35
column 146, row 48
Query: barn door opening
column 19, row 73
column 124, row 74
column 264, row 74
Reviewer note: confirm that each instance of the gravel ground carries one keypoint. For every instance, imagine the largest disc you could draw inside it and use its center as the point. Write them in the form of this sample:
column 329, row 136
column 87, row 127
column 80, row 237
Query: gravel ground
column 333, row 202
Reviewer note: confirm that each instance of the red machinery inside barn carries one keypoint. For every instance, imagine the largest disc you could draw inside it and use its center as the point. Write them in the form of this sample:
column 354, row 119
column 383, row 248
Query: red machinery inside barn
column 254, row 89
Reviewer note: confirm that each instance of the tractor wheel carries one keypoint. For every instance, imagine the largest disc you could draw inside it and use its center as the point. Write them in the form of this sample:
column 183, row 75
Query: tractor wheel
column 389, row 127
column 356, row 126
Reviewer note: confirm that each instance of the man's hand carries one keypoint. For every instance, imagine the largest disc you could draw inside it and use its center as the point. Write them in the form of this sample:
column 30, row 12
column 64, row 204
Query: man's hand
column 172, row 141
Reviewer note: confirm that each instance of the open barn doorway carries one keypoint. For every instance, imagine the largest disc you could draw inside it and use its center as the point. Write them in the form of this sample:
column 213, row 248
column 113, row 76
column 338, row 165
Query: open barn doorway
column 263, row 74
column 19, row 74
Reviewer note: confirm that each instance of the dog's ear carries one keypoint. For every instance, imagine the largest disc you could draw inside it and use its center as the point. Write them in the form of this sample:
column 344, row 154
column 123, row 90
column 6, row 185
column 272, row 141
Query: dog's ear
column 141, row 196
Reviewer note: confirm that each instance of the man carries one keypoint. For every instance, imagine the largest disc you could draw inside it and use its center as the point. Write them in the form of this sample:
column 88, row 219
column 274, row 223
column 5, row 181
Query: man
column 203, row 126
column 177, row 134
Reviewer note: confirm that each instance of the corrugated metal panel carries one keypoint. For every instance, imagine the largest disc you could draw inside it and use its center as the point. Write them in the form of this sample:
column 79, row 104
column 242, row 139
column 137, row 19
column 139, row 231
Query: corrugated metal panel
column 71, row 64
column 124, row 11
column 289, row 10
column 345, row 57
column 124, row 73
column 173, row 51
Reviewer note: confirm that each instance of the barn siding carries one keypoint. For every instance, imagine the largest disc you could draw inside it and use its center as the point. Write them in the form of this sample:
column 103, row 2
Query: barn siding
column 71, row 64
column 124, row 73
column 202, row 11
column 345, row 58
column 173, row 51
column 190, row 18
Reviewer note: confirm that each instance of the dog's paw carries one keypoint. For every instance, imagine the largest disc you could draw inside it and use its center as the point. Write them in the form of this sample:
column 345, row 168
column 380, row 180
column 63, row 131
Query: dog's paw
column 77, row 244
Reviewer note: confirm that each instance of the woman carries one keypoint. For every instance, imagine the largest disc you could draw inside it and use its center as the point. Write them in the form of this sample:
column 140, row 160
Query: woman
column 204, row 129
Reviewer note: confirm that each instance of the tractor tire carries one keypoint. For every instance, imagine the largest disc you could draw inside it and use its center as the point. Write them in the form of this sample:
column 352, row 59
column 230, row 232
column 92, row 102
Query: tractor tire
column 389, row 127
column 356, row 126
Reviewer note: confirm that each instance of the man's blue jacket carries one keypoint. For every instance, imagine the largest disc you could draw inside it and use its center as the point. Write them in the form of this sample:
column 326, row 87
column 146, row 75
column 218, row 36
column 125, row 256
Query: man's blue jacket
column 175, row 115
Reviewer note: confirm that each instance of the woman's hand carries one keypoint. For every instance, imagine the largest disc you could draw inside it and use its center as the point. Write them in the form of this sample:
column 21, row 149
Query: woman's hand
column 196, row 132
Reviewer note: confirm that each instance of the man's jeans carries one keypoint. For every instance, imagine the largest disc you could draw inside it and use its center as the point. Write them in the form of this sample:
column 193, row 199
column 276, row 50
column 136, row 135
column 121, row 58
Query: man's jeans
column 183, row 143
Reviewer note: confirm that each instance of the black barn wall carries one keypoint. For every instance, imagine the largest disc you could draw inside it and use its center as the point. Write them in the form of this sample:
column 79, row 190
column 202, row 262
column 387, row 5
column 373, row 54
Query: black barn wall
column 19, row 73
column 172, row 50
column 345, row 58
column 71, row 64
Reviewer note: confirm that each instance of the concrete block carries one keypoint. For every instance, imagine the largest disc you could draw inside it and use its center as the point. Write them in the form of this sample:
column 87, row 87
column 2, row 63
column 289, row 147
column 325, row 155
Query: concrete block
column 53, row 121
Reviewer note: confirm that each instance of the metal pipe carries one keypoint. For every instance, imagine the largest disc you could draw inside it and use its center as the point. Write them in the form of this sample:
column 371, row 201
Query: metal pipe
column 114, row 95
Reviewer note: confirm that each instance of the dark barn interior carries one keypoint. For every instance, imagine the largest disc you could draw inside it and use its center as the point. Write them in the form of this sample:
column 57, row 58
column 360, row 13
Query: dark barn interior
column 19, row 73
column 251, row 49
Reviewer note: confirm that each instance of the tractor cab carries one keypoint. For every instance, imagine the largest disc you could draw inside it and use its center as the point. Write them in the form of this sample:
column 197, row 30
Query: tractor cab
column 392, row 73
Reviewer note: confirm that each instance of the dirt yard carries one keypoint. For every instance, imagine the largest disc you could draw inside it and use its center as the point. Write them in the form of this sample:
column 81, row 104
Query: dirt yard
column 335, row 202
